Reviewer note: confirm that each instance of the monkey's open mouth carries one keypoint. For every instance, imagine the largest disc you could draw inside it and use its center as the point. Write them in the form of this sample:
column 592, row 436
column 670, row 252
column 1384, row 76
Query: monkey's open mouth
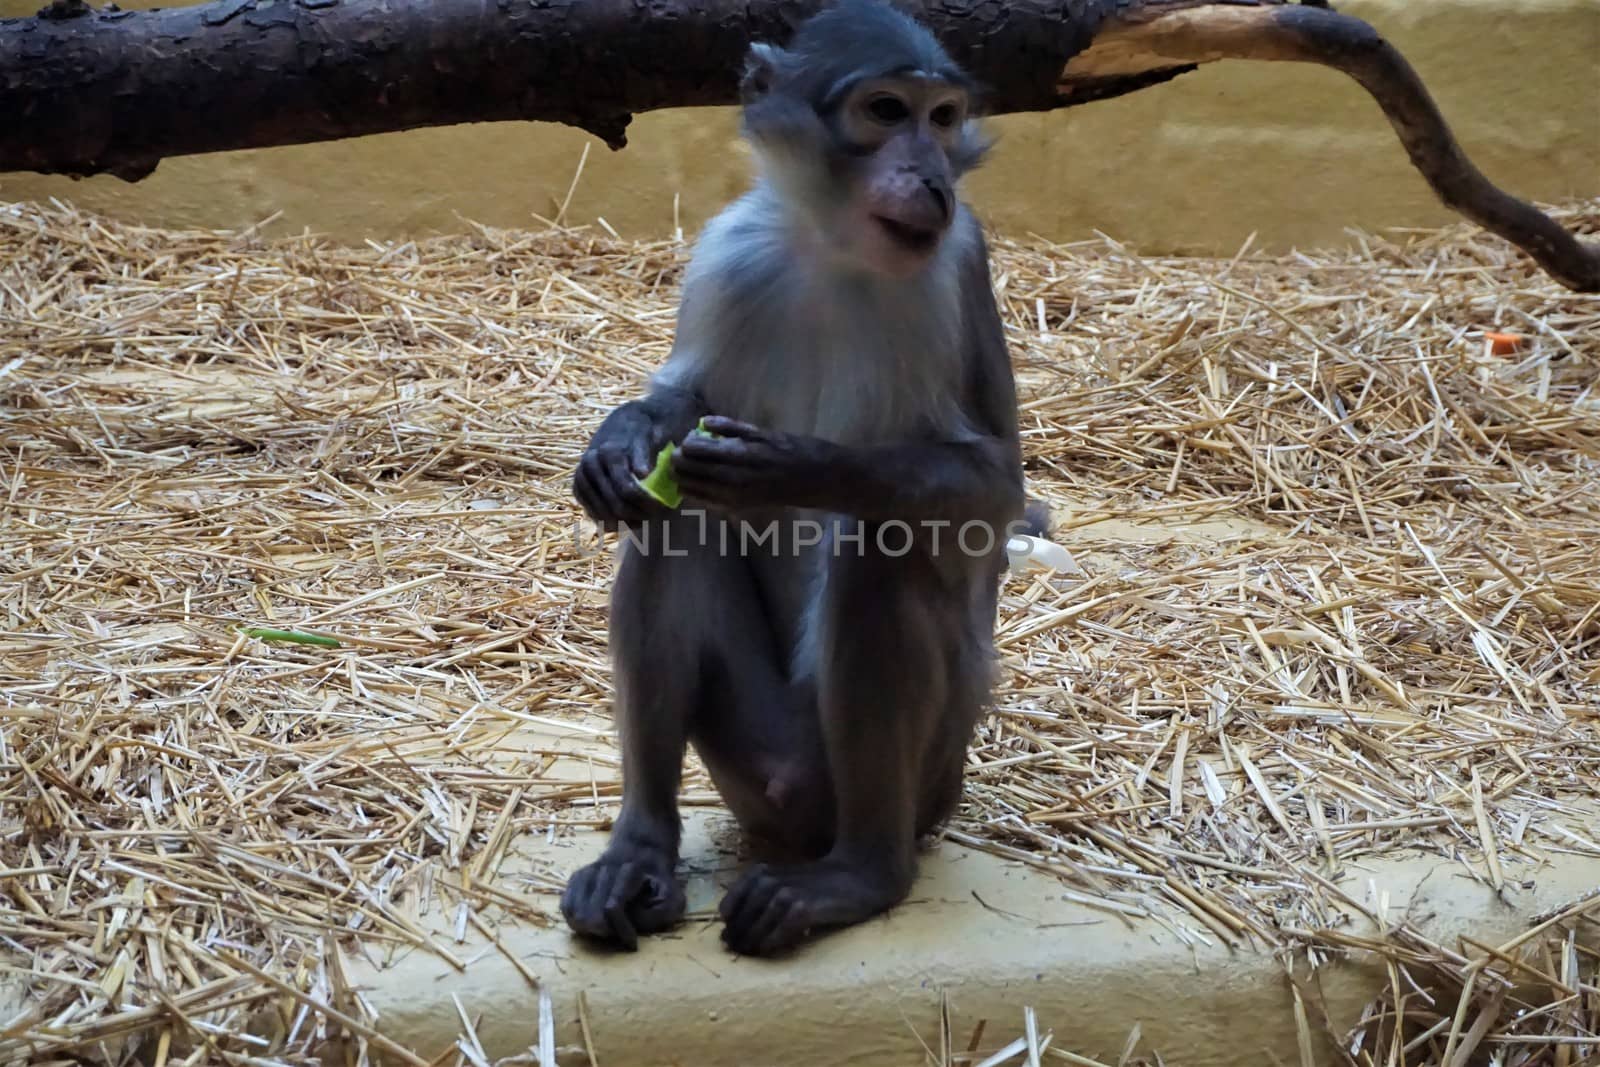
column 911, row 238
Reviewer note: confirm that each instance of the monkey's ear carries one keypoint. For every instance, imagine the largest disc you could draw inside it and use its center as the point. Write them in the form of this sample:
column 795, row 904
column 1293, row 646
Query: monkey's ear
column 760, row 68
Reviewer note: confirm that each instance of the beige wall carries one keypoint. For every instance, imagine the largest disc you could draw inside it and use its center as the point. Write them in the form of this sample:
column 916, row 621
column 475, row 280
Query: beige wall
column 1295, row 153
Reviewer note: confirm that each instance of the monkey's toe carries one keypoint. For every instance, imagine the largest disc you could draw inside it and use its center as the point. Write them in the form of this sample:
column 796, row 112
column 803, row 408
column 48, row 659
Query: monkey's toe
column 763, row 913
column 772, row 909
column 617, row 899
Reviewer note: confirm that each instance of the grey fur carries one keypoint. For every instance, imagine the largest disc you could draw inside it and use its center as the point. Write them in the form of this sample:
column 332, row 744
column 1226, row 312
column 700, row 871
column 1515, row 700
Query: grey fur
column 796, row 344
column 830, row 693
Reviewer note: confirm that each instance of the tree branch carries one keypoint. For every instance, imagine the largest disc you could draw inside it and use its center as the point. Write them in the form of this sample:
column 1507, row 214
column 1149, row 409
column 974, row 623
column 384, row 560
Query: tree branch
column 86, row 92
column 1308, row 34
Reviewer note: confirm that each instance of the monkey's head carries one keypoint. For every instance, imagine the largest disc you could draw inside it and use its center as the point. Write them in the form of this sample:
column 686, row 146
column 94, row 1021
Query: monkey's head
column 864, row 124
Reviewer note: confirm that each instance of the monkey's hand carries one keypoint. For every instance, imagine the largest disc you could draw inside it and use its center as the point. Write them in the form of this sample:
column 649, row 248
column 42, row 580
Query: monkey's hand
column 622, row 451
column 743, row 466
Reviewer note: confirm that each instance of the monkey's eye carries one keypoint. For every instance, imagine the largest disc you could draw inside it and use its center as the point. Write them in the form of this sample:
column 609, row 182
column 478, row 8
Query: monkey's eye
column 945, row 116
column 888, row 109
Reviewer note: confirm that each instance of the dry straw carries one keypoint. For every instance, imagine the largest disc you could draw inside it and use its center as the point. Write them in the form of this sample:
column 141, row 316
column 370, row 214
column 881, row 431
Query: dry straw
column 1341, row 598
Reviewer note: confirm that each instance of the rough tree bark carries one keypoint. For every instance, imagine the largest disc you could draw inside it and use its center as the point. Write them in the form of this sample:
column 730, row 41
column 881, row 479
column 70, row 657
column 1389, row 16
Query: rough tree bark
column 91, row 91
column 85, row 92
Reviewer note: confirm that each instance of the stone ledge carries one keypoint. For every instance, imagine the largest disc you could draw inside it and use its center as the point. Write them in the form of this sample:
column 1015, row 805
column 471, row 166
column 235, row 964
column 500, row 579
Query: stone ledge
column 990, row 936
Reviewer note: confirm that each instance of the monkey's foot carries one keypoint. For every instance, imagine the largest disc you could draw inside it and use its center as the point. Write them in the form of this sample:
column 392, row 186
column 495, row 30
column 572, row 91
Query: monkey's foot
column 628, row 891
column 771, row 909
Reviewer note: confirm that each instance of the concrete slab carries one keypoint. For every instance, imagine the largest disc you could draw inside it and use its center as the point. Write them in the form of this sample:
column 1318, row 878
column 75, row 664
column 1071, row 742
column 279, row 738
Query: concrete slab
column 990, row 935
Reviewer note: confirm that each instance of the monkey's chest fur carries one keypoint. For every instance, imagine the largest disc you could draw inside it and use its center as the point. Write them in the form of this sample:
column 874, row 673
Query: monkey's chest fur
column 786, row 342
column 846, row 363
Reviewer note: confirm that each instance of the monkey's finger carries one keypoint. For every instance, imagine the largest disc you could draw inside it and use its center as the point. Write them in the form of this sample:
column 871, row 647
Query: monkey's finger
column 629, row 880
column 790, row 927
column 581, row 482
column 622, row 930
column 573, row 895
column 604, row 512
column 779, row 926
column 612, row 491
column 581, row 903
column 662, row 905
column 625, row 486
column 587, row 486
column 727, row 467
column 746, row 902
column 725, row 451
column 723, row 426
column 588, row 497
column 641, row 457
column 729, row 905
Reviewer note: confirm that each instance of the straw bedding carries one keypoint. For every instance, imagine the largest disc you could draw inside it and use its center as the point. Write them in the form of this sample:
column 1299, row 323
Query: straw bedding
column 1339, row 597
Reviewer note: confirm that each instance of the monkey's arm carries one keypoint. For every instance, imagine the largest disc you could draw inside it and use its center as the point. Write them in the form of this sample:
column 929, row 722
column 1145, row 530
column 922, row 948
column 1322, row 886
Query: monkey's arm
column 956, row 481
column 745, row 467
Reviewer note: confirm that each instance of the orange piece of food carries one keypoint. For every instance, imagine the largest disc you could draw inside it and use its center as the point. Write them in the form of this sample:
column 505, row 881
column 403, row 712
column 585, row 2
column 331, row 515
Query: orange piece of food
column 1503, row 344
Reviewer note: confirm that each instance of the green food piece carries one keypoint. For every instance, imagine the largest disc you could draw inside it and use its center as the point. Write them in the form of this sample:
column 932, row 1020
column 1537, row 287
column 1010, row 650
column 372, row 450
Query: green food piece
column 296, row 636
column 660, row 483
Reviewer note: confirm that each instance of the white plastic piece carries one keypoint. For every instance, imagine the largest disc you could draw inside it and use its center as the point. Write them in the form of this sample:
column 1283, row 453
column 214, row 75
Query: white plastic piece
column 1025, row 551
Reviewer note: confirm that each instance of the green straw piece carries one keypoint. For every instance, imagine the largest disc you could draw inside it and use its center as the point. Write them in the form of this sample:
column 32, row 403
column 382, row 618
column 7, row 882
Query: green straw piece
column 295, row 636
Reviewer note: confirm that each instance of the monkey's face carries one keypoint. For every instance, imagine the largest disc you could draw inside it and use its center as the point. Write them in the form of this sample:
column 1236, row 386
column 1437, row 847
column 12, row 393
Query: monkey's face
column 898, row 137
column 862, row 128
column 868, row 159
